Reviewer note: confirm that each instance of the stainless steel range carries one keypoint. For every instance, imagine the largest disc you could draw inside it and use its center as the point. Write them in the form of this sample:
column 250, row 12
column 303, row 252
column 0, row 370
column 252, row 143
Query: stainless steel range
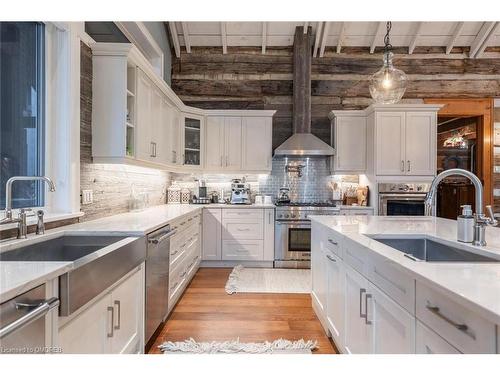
column 292, row 232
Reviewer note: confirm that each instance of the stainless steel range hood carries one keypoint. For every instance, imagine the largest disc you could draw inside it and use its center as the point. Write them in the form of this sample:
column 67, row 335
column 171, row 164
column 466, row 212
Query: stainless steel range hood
column 302, row 142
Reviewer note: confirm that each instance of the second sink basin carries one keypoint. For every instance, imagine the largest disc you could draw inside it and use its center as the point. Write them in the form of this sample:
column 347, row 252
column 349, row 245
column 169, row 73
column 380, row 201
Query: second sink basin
column 425, row 249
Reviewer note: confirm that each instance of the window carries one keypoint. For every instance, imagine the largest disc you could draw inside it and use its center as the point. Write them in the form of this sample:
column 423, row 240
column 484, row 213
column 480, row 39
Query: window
column 22, row 77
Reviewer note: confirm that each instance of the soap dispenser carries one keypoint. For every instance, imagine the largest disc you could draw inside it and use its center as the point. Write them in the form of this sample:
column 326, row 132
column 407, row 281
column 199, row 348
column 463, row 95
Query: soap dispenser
column 465, row 225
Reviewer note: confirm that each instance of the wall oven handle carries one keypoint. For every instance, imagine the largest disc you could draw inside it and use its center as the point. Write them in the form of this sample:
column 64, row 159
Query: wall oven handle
column 39, row 311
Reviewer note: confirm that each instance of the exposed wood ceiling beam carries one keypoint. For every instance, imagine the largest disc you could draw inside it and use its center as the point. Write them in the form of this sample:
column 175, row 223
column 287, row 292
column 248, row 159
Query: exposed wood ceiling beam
column 487, row 40
column 341, row 37
column 380, row 27
column 454, row 37
column 223, row 37
column 264, row 36
column 185, row 32
column 324, row 38
column 319, row 29
column 414, row 40
column 306, row 25
column 175, row 38
column 481, row 37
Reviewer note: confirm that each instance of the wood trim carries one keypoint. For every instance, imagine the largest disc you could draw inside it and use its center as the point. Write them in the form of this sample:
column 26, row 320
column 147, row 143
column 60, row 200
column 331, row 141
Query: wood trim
column 482, row 108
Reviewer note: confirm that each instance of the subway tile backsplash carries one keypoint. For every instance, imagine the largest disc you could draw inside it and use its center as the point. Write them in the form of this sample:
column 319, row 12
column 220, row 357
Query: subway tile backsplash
column 312, row 185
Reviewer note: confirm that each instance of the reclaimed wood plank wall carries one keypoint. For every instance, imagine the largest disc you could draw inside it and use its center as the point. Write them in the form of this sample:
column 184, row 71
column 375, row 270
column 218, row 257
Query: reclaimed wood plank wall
column 244, row 78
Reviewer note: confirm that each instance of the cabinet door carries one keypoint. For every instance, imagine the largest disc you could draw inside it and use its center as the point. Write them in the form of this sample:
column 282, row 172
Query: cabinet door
column 212, row 228
column 390, row 142
column 256, row 144
column 318, row 270
column 191, row 140
column 144, row 117
column 393, row 326
column 232, row 140
column 128, row 304
column 350, row 143
column 420, row 143
column 335, row 297
column 358, row 334
column 175, row 137
column 162, row 133
column 156, row 123
column 214, row 143
column 269, row 234
column 88, row 332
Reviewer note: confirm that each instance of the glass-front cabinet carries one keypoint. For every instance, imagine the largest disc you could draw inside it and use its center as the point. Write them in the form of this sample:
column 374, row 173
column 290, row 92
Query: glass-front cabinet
column 192, row 140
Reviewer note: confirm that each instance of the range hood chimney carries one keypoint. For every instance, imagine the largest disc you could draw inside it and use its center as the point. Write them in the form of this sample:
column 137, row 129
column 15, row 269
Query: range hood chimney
column 302, row 142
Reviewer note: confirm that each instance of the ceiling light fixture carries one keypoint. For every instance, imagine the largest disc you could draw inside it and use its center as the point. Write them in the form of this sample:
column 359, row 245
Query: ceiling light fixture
column 388, row 85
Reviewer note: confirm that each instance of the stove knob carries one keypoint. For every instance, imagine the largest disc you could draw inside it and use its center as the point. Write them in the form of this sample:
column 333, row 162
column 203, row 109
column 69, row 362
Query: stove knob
column 280, row 216
column 419, row 187
column 293, row 216
column 287, row 216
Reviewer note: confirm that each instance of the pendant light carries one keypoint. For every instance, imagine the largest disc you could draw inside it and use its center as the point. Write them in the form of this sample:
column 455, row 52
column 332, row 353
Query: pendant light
column 388, row 85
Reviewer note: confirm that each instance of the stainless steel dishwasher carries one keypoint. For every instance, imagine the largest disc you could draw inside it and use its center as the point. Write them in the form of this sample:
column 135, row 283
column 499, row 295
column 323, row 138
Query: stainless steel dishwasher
column 157, row 267
column 22, row 322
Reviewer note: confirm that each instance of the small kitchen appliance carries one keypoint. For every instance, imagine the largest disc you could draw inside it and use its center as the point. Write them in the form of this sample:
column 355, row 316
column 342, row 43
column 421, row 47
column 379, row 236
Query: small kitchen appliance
column 240, row 192
column 284, row 195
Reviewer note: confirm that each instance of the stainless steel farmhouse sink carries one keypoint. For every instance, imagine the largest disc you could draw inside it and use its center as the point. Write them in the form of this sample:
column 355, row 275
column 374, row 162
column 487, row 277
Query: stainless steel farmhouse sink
column 98, row 262
column 425, row 249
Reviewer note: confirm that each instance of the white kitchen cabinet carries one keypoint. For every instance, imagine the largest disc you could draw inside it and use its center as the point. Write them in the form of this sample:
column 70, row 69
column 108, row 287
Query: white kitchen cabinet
column 192, row 142
column 390, row 143
column 232, row 143
column 349, row 140
column 269, row 234
column 429, row 342
column 223, row 143
column 256, row 144
column 420, row 143
column 335, row 303
column 214, row 143
column 212, row 231
column 319, row 274
column 114, row 323
column 358, row 333
column 175, row 137
column 393, row 327
column 144, row 116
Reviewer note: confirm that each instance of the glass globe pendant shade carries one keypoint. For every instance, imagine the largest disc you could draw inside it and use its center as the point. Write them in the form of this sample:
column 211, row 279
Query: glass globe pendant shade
column 388, row 85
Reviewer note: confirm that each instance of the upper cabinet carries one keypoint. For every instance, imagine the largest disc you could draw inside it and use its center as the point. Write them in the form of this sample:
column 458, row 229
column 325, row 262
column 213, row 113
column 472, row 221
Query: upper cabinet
column 386, row 140
column 138, row 119
column 239, row 141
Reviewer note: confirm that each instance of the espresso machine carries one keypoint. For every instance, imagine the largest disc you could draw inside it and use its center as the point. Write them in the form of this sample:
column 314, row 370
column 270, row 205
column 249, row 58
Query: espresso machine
column 240, row 192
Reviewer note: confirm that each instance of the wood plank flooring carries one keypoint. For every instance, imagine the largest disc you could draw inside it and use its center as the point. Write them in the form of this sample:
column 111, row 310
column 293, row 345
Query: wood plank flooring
column 205, row 313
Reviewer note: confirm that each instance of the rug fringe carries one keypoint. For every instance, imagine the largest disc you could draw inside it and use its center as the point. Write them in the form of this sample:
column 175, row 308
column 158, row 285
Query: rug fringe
column 235, row 346
column 233, row 277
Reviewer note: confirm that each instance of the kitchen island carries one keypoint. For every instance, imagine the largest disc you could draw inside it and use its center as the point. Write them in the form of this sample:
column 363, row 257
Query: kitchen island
column 373, row 298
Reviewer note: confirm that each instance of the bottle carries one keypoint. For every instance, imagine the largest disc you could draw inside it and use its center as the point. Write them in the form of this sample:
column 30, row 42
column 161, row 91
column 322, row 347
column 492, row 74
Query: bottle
column 465, row 225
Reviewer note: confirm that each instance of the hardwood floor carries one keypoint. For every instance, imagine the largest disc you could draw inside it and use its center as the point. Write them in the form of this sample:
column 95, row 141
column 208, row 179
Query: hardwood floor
column 205, row 313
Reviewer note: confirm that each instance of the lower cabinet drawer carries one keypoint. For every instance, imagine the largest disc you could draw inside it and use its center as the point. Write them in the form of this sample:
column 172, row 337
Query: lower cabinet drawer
column 233, row 229
column 243, row 250
column 429, row 342
column 331, row 240
column 461, row 327
column 243, row 213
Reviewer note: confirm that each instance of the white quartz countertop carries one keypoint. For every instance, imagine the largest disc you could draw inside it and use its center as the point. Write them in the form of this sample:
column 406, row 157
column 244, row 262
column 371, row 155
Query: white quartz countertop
column 474, row 285
column 19, row 277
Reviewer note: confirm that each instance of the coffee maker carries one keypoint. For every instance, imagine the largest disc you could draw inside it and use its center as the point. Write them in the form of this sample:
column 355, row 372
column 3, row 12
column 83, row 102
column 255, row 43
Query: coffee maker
column 240, row 192
column 201, row 196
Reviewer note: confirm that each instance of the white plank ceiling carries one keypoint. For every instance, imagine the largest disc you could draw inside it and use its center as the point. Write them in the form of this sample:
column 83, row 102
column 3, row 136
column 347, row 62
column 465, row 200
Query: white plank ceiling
column 476, row 35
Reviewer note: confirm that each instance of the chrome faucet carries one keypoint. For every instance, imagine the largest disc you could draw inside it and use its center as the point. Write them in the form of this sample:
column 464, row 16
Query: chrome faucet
column 21, row 220
column 480, row 220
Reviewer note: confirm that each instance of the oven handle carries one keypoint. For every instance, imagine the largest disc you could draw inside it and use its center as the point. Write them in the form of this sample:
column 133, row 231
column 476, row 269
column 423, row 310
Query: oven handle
column 293, row 225
column 402, row 196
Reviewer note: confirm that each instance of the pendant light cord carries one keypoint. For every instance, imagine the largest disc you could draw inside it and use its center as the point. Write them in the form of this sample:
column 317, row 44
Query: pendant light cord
column 387, row 39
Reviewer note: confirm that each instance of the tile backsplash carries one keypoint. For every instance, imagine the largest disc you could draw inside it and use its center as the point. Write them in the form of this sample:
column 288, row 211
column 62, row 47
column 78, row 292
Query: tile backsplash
column 312, row 185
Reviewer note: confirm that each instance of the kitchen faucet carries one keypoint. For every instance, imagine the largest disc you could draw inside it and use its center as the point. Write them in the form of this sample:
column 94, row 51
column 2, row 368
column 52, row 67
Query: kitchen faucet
column 480, row 220
column 21, row 220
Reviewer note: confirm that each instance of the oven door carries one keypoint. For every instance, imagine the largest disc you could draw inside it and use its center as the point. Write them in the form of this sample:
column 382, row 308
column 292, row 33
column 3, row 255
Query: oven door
column 292, row 240
column 401, row 204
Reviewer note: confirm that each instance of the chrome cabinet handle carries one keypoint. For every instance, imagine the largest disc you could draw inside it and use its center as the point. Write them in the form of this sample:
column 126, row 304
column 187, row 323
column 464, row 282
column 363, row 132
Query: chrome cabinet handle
column 269, row 217
column 173, row 286
column 243, row 229
column 331, row 258
column 151, row 147
column 409, row 165
column 367, row 296
column 221, row 160
column 226, row 161
column 119, row 309
column 333, row 242
column 361, row 292
column 110, row 308
column 183, row 274
column 461, row 327
column 174, row 156
column 174, row 253
column 402, row 165
column 38, row 311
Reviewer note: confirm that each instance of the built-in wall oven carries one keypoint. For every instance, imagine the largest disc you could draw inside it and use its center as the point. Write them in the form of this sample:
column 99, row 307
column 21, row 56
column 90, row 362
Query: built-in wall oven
column 292, row 233
column 402, row 199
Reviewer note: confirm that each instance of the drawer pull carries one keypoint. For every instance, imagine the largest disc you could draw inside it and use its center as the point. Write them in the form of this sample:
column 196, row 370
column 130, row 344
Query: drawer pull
column 175, row 252
column 333, row 242
column 367, row 295
column 461, row 327
column 183, row 274
column 330, row 258
column 173, row 286
column 243, row 229
column 361, row 292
